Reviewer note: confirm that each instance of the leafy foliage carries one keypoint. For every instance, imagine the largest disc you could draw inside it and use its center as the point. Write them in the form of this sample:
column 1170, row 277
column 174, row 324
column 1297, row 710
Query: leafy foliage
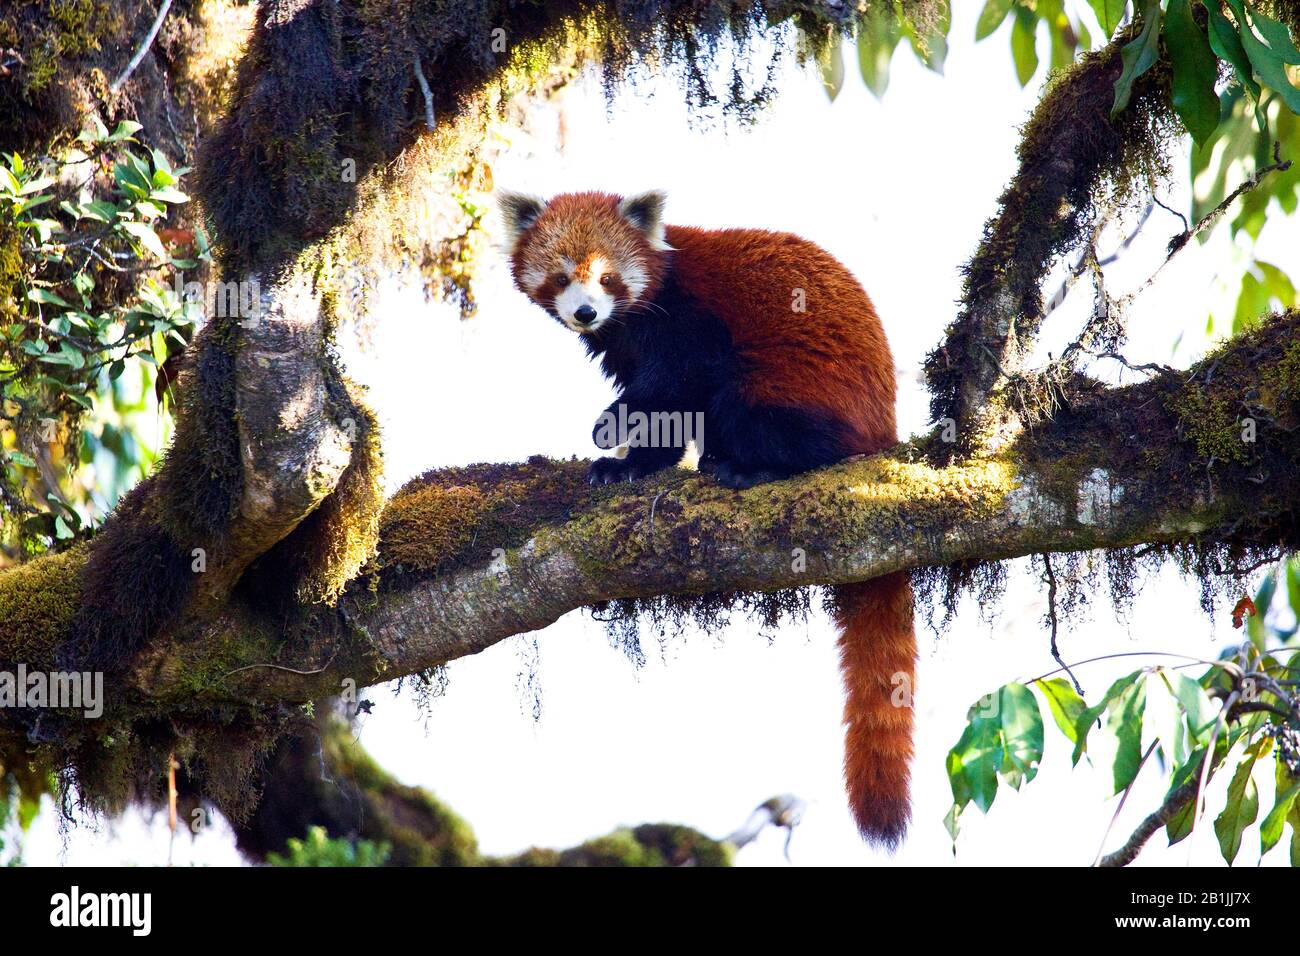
column 17, row 811
column 83, row 257
column 1159, row 710
column 320, row 849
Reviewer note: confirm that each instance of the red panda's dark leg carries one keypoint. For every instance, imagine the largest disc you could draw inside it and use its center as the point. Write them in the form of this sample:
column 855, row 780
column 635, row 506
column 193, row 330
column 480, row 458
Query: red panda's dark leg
column 655, row 429
column 747, row 445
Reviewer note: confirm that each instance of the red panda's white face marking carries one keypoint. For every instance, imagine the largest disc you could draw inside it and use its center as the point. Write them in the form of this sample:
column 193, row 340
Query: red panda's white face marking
column 585, row 257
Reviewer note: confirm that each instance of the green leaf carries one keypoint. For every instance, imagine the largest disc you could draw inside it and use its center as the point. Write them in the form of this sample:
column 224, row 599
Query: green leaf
column 1276, row 36
column 99, row 210
column 1227, row 46
column 831, row 65
column 979, row 755
column 1180, row 824
column 932, row 48
column 1024, row 48
column 951, row 823
column 1138, row 55
column 161, row 165
column 36, row 185
column 1109, row 13
column 961, row 792
column 1270, row 831
column 1293, row 585
column 877, row 37
column 45, row 295
column 1162, row 720
column 10, row 182
column 1022, row 734
column 1195, row 69
column 171, row 195
column 147, row 237
column 1267, row 63
column 1124, row 725
column 1243, row 804
column 1083, row 726
column 22, row 458
column 1197, row 707
column 995, row 11
column 1065, row 705
column 1295, row 834
column 125, row 130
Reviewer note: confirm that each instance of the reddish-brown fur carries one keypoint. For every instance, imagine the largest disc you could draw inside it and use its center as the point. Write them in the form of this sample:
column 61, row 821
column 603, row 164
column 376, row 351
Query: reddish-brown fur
column 831, row 357
column 834, row 357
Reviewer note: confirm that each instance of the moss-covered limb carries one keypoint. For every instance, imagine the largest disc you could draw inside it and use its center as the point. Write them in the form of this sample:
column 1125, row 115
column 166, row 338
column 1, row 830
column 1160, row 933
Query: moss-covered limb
column 1116, row 468
column 268, row 431
column 63, row 54
column 327, row 83
column 319, row 776
column 470, row 556
column 1073, row 161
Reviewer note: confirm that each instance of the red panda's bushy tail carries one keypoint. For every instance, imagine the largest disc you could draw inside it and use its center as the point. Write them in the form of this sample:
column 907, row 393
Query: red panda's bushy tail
column 878, row 661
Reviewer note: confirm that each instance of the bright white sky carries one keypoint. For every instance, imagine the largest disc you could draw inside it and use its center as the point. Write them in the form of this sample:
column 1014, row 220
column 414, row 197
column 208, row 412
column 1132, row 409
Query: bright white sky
column 714, row 725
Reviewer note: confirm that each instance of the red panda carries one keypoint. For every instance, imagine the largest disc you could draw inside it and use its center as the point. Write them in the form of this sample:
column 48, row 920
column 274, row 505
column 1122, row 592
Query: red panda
column 778, row 347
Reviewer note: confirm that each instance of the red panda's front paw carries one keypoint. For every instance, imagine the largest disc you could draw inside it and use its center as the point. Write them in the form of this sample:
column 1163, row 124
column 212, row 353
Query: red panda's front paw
column 607, row 471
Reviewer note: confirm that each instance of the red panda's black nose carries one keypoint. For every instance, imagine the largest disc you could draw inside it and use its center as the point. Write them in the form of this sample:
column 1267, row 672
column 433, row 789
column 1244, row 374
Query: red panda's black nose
column 584, row 314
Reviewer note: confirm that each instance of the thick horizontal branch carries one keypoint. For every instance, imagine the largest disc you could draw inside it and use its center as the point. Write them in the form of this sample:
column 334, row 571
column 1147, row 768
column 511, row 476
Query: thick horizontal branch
column 471, row 556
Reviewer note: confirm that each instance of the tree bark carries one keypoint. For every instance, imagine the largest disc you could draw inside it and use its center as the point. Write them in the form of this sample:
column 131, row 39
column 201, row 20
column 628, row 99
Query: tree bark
column 469, row 557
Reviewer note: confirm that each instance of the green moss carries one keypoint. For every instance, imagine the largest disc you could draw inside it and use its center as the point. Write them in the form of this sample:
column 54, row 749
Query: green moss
column 419, row 828
column 1230, row 396
column 12, row 273
column 38, row 601
column 64, row 44
column 1212, row 422
column 458, row 516
column 651, row 844
column 1073, row 161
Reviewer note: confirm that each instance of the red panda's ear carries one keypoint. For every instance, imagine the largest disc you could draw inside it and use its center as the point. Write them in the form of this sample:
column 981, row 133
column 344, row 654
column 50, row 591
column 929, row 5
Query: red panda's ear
column 646, row 212
column 518, row 212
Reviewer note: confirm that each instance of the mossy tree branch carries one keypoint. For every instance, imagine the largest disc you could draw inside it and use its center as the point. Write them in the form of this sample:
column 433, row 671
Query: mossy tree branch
column 469, row 557
column 267, row 478
column 1075, row 161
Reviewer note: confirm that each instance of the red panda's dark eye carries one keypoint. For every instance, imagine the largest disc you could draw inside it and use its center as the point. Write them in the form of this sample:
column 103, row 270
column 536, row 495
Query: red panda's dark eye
column 607, row 279
column 561, row 280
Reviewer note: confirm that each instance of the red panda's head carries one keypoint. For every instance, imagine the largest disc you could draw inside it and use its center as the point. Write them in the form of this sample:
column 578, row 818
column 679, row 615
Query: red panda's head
column 585, row 257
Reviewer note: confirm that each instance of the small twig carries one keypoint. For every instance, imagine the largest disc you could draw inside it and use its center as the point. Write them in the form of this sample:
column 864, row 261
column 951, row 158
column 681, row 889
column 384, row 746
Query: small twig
column 1204, row 776
column 1090, row 251
column 1178, row 242
column 1175, row 212
column 1050, row 576
column 1154, row 368
column 144, row 47
column 1123, row 800
column 1174, row 803
column 650, row 532
column 1128, row 240
column 429, row 118
column 280, row 667
column 1228, row 666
